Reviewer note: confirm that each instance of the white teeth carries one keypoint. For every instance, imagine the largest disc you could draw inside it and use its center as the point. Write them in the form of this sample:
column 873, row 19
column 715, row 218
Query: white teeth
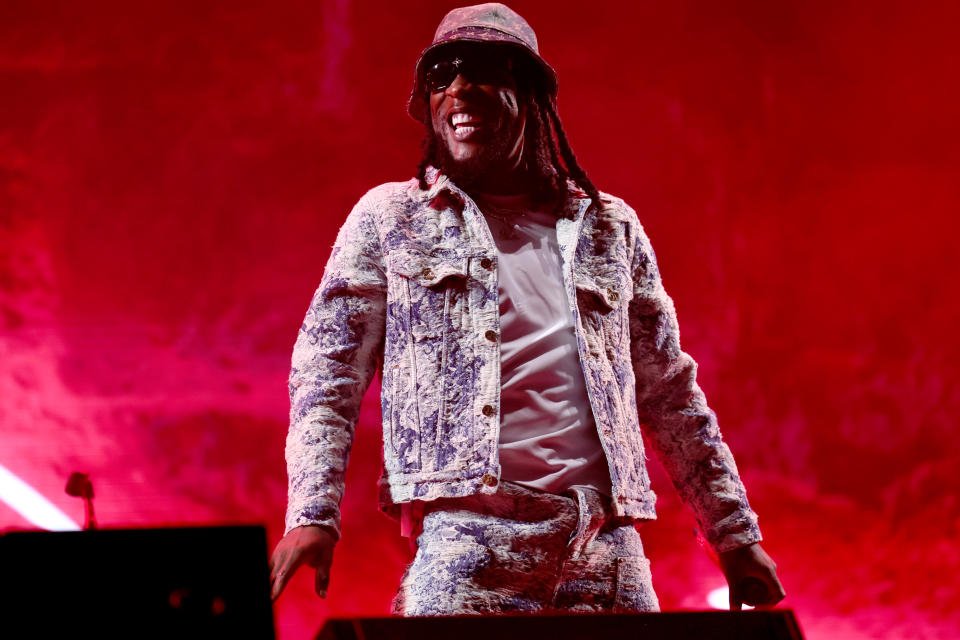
column 458, row 119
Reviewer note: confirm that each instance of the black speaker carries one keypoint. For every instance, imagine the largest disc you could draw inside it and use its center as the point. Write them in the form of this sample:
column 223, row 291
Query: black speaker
column 209, row 582
column 682, row 625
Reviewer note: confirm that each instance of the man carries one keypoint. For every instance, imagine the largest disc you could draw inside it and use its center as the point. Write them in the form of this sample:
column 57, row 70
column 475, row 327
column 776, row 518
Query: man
column 524, row 340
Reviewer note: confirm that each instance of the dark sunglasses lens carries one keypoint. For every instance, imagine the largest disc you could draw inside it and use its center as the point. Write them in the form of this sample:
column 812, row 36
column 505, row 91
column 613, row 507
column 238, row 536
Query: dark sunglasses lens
column 480, row 67
column 440, row 75
column 490, row 72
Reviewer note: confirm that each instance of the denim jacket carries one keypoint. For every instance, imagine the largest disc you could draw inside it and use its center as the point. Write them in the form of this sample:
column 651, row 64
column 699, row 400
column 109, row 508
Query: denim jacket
column 410, row 288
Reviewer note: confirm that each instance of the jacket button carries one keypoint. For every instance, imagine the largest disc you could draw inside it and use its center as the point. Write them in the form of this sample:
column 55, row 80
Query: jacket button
column 491, row 335
column 488, row 410
column 486, row 263
column 427, row 273
column 489, row 479
column 614, row 296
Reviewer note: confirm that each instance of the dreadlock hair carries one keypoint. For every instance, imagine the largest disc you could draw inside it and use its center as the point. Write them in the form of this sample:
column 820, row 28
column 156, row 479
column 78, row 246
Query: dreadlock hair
column 557, row 144
column 549, row 156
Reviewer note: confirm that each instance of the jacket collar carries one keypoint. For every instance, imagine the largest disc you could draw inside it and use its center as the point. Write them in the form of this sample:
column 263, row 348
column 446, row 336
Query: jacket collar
column 438, row 182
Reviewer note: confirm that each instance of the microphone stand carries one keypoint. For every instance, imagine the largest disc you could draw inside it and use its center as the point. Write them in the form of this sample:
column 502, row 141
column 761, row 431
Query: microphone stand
column 79, row 485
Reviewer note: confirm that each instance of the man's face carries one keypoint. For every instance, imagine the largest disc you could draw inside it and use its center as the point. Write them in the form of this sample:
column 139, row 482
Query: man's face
column 476, row 115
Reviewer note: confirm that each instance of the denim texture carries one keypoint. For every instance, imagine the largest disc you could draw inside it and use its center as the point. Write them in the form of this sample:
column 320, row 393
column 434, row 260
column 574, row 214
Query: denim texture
column 410, row 289
column 523, row 550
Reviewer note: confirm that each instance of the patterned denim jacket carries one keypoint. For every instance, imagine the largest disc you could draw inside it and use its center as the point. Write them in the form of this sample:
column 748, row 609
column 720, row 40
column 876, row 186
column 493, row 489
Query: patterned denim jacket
column 411, row 287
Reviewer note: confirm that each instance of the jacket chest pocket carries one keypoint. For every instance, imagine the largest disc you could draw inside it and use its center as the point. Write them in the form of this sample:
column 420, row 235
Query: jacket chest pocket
column 602, row 299
column 430, row 298
column 430, row 288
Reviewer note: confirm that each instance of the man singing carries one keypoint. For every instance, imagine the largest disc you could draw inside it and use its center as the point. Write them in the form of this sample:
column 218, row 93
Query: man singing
column 525, row 342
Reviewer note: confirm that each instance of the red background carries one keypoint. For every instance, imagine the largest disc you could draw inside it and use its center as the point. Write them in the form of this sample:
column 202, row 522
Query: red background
column 172, row 178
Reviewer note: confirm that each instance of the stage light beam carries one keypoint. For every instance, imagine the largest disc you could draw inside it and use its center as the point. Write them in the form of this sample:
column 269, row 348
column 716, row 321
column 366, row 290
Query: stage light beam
column 720, row 599
column 31, row 504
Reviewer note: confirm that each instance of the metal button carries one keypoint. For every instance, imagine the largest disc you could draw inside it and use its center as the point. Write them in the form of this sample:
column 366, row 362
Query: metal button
column 489, row 479
column 486, row 263
column 491, row 335
column 614, row 296
column 488, row 410
column 427, row 273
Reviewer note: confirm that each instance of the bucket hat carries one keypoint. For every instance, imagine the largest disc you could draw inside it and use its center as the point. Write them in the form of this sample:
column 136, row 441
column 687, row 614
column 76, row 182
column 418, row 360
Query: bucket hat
column 491, row 22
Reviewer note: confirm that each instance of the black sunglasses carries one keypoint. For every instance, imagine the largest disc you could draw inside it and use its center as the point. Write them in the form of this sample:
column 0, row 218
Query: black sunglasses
column 480, row 67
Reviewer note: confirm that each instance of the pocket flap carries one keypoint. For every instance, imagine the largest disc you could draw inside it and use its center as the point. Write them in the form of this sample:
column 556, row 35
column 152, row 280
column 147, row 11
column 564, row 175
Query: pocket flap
column 608, row 288
column 427, row 269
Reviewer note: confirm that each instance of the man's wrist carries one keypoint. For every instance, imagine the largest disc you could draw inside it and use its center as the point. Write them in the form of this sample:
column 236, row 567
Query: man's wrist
column 745, row 549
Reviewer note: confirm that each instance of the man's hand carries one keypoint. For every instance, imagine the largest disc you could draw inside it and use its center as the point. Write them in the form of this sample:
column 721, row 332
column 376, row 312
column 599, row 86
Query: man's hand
column 311, row 545
column 752, row 576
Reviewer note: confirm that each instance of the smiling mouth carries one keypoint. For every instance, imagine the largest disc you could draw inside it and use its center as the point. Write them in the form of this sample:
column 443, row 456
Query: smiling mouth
column 465, row 124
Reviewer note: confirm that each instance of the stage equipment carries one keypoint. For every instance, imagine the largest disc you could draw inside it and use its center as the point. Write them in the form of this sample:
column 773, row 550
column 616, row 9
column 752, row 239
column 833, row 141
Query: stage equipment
column 196, row 582
column 681, row 625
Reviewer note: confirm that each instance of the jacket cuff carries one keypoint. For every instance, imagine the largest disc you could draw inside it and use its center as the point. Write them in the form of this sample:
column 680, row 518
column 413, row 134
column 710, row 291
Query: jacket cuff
column 736, row 530
column 320, row 514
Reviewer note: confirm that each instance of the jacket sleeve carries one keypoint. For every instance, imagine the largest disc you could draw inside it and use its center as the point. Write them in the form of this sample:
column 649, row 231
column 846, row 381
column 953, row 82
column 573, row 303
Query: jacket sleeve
column 673, row 410
column 334, row 360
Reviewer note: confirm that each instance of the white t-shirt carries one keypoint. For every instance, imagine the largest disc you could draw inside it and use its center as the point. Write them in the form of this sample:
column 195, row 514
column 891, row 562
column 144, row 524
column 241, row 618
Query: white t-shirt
column 548, row 437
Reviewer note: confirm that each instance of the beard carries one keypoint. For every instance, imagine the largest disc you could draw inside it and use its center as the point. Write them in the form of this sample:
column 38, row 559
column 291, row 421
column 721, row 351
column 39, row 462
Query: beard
column 471, row 171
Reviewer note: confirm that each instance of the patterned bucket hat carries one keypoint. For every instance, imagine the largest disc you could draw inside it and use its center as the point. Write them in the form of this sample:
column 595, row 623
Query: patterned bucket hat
column 490, row 22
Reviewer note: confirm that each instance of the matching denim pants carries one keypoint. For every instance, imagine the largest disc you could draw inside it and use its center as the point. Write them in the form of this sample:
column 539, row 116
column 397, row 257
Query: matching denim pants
column 524, row 550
